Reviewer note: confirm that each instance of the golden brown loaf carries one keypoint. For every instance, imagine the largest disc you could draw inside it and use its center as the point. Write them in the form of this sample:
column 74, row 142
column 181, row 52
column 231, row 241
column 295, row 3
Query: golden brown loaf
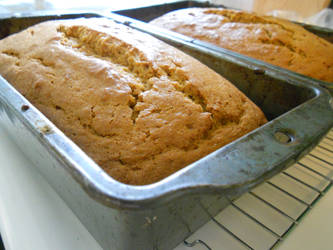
column 140, row 108
column 272, row 40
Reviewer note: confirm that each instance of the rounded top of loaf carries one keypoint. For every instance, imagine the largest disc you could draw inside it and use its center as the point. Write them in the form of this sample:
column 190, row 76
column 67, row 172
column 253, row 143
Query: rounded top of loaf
column 269, row 39
column 137, row 106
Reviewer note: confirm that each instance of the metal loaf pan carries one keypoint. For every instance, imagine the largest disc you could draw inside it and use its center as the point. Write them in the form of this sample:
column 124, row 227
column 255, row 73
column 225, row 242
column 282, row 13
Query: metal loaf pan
column 148, row 13
column 161, row 215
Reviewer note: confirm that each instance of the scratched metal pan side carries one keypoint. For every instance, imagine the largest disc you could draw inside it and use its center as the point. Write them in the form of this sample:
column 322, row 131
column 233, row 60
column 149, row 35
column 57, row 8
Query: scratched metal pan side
column 303, row 119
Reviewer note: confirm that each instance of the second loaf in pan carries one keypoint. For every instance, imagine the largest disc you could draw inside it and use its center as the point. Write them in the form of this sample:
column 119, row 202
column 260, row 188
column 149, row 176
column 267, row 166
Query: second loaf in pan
column 137, row 106
column 269, row 39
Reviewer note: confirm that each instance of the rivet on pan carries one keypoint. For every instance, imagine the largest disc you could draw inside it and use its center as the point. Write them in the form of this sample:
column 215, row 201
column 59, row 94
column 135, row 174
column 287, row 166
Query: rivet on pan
column 259, row 71
column 285, row 136
column 24, row 107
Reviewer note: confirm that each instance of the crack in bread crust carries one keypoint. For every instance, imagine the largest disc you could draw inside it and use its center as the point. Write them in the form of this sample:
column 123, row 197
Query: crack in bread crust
column 119, row 52
column 111, row 48
column 12, row 53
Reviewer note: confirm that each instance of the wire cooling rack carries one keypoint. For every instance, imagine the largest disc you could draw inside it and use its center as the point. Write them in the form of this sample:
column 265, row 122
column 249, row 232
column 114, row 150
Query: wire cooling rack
column 271, row 209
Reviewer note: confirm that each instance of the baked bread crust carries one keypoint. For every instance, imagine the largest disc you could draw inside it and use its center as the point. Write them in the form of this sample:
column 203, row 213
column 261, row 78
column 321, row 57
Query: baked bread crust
column 276, row 41
column 137, row 106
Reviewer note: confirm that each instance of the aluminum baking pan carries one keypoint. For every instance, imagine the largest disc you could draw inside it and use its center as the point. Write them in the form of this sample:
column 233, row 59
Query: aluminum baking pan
column 122, row 216
column 148, row 13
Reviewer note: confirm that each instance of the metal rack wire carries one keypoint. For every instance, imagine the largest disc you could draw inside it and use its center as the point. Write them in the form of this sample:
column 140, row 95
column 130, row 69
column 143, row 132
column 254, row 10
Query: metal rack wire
column 271, row 209
column 2, row 247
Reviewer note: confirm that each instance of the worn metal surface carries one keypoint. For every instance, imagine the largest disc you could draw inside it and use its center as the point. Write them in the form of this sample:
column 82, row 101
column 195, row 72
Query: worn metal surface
column 121, row 216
